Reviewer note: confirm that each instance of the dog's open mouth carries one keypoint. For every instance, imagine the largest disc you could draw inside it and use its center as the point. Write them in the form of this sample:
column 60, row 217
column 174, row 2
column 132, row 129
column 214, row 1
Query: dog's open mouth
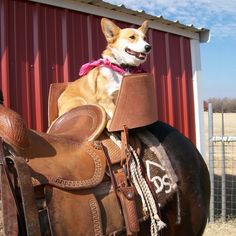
column 139, row 55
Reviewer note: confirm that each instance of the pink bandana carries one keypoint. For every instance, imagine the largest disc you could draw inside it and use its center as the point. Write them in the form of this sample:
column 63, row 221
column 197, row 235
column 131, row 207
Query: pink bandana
column 104, row 62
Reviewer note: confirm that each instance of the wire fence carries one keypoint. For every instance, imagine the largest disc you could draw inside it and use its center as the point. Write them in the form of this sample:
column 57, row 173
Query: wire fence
column 224, row 181
column 222, row 168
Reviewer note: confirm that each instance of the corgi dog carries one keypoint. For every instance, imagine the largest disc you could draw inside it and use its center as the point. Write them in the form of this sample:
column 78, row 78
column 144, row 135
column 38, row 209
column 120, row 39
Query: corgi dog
column 126, row 50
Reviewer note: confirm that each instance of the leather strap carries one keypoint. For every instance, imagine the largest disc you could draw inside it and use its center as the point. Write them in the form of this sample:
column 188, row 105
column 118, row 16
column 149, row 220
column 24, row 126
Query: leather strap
column 9, row 209
column 10, row 225
column 125, row 195
column 125, row 150
column 27, row 195
column 124, row 144
column 111, row 173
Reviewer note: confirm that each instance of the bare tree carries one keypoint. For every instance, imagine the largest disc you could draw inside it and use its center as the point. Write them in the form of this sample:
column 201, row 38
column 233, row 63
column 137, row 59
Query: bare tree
column 229, row 104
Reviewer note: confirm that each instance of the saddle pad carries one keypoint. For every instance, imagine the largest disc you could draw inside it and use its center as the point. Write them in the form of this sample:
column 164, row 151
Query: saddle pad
column 82, row 123
column 77, row 166
column 159, row 169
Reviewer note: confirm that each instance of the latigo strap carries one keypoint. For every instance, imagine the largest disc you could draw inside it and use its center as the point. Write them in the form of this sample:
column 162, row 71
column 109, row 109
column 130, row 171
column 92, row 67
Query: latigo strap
column 9, row 207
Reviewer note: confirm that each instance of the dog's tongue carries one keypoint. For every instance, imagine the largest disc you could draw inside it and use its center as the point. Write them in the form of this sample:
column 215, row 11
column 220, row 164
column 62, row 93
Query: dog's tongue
column 141, row 55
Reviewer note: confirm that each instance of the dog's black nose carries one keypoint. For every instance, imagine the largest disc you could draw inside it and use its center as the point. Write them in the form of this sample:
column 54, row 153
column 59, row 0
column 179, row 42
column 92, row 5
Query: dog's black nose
column 147, row 47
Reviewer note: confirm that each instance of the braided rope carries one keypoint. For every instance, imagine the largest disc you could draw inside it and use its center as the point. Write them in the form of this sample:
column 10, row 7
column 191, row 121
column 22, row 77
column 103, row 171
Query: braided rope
column 148, row 202
column 156, row 223
column 136, row 181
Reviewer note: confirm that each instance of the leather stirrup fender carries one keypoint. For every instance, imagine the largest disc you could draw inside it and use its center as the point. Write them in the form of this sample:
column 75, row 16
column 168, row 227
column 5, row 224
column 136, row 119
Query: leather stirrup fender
column 136, row 105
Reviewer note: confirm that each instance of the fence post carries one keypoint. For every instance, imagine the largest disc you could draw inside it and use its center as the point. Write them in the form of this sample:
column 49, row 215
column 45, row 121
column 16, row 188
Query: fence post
column 223, row 179
column 211, row 160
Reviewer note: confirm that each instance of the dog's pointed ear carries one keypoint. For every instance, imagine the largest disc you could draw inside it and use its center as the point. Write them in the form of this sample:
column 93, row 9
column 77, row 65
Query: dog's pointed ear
column 109, row 29
column 144, row 27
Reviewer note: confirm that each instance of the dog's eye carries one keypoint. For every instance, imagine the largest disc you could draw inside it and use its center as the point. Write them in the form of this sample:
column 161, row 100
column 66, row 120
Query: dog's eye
column 145, row 38
column 132, row 37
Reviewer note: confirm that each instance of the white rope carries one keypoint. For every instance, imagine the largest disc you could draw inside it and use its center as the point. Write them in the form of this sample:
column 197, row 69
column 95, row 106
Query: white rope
column 136, row 182
column 156, row 223
column 148, row 202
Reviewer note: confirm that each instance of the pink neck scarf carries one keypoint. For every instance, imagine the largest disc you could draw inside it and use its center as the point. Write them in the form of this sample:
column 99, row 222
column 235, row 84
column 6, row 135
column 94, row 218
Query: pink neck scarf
column 106, row 63
column 100, row 62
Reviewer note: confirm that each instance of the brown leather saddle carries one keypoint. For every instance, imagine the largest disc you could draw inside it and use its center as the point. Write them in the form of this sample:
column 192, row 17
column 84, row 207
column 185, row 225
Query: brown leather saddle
column 70, row 181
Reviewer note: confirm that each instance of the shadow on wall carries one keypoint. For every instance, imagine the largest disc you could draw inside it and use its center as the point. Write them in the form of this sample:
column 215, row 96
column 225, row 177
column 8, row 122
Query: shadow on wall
column 1, row 97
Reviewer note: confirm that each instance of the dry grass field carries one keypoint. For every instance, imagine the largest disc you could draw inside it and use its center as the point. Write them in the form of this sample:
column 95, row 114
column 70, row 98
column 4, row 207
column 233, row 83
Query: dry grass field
column 219, row 228
column 230, row 124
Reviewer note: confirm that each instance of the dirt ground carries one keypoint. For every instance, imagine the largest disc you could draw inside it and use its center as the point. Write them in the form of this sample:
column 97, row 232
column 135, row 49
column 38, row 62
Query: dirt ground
column 221, row 229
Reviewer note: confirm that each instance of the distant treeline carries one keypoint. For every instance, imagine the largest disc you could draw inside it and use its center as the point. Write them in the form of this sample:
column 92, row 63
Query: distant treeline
column 229, row 104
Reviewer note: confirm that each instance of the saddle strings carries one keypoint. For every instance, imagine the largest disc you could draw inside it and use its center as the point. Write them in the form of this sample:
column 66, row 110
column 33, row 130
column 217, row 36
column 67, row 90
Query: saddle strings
column 148, row 202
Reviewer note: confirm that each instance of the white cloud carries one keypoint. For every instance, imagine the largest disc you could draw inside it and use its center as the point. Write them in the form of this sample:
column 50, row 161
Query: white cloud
column 217, row 15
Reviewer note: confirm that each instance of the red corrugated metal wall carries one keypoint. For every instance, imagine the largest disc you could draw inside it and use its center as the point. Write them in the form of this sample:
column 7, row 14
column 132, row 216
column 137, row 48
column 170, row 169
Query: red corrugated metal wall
column 41, row 44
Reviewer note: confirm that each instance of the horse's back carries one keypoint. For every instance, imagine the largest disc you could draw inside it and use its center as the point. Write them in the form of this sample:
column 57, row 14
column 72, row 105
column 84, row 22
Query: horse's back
column 185, row 214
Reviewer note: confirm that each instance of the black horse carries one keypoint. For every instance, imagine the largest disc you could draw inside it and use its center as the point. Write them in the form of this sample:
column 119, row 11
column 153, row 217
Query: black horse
column 194, row 185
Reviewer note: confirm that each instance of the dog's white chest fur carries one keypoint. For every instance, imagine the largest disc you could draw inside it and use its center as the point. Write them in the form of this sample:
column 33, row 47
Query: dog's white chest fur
column 114, row 79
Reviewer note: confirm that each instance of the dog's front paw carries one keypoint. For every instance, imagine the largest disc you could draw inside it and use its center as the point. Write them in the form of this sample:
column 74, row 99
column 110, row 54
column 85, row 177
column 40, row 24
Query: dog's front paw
column 109, row 106
column 110, row 114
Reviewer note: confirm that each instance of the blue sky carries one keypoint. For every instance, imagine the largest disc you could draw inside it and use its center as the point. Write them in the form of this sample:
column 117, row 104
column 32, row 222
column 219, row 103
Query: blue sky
column 218, row 57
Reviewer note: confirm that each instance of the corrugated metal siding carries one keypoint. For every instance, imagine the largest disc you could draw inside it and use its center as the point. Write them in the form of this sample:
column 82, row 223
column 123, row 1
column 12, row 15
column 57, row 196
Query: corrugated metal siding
column 41, row 44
